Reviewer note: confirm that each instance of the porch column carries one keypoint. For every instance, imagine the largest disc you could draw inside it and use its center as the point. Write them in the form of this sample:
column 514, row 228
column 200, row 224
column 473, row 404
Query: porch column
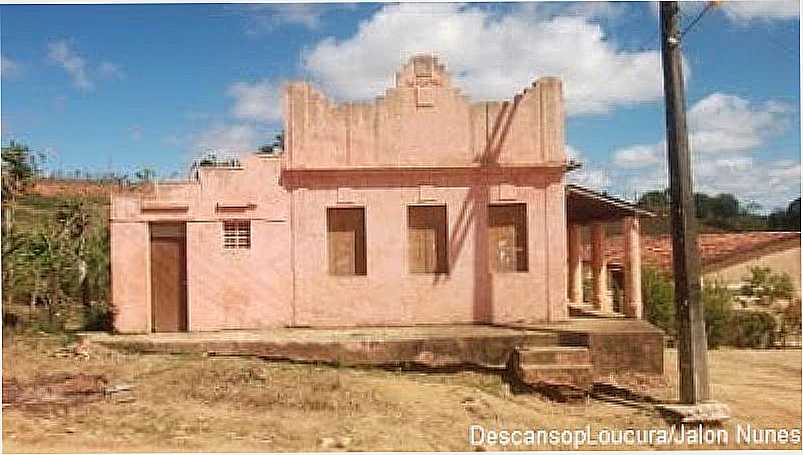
column 598, row 268
column 575, row 239
column 632, row 238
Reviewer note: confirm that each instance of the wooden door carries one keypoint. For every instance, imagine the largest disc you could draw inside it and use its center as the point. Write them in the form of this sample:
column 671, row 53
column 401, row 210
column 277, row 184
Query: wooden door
column 168, row 277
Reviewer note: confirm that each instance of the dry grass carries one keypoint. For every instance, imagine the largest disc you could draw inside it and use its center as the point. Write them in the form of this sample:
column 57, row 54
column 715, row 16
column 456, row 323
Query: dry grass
column 196, row 403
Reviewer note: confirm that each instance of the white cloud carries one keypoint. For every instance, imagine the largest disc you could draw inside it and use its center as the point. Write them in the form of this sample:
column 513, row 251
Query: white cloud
column 490, row 55
column 726, row 132
column 110, row 71
column 9, row 68
column 589, row 176
column 83, row 74
column 764, row 9
column 719, row 123
column 727, row 123
column 63, row 54
column 639, row 156
column 227, row 139
column 267, row 18
column 770, row 183
column 305, row 14
column 259, row 101
column 135, row 133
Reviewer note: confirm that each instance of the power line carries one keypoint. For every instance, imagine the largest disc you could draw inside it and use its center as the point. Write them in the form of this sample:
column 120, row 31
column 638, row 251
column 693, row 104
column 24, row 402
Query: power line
column 708, row 7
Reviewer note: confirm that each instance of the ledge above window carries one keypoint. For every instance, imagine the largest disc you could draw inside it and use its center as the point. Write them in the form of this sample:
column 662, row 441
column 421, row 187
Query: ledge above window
column 173, row 206
column 234, row 206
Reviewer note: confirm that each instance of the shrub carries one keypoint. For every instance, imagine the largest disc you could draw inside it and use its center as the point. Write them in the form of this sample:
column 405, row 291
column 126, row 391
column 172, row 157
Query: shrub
column 768, row 286
column 658, row 296
column 97, row 317
column 717, row 302
column 752, row 329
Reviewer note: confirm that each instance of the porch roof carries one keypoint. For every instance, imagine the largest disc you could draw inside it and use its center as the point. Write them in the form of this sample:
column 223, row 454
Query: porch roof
column 584, row 205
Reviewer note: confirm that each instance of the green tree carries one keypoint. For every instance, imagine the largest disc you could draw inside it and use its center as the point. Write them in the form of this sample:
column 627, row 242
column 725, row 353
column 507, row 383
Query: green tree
column 144, row 175
column 702, row 205
column 656, row 201
column 724, row 205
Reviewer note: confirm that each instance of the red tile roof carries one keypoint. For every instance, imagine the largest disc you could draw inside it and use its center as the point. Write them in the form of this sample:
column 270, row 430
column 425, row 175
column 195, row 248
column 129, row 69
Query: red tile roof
column 715, row 249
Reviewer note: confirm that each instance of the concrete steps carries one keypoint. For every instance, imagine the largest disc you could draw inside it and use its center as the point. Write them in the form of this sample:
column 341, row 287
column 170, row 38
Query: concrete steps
column 550, row 355
column 563, row 371
column 587, row 310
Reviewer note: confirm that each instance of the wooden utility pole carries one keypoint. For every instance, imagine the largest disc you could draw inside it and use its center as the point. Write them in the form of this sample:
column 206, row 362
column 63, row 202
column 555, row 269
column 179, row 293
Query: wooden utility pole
column 691, row 339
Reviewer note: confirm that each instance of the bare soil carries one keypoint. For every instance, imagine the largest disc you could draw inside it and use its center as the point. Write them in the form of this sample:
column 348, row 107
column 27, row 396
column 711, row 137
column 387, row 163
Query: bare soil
column 57, row 400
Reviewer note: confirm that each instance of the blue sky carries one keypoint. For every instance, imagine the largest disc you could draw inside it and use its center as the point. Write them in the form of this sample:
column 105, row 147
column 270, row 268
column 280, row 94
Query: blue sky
column 120, row 87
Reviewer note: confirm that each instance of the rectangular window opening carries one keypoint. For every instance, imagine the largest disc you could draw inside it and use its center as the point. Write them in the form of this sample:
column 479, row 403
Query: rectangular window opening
column 346, row 241
column 507, row 236
column 426, row 239
column 237, row 234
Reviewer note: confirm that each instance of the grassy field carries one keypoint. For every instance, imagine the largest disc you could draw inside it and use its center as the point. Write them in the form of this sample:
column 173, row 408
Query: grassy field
column 197, row 403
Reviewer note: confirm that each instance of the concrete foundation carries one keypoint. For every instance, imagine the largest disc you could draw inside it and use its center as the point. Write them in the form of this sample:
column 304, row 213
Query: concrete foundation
column 435, row 346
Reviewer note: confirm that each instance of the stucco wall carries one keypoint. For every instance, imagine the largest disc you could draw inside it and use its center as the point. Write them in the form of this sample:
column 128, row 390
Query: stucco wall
column 422, row 143
column 130, row 260
column 239, row 288
column 424, row 122
column 244, row 288
column 390, row 294
column 781, row 261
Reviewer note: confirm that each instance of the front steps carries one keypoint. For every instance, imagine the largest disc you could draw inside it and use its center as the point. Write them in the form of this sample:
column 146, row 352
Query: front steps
column 564, row 372
column 587, row 310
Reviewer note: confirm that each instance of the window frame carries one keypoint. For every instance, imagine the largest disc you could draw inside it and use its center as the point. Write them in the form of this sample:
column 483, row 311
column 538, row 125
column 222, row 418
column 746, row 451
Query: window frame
column 240, row 239
column 522, row 249
column 360, row 267
column 442, row 266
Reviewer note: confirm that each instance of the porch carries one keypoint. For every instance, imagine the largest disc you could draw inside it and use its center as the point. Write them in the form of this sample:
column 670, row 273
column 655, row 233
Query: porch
column 591, row 216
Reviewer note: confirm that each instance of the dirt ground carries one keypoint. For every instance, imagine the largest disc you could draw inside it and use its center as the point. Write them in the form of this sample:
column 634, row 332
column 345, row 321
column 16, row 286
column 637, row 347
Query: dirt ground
column 104, row 401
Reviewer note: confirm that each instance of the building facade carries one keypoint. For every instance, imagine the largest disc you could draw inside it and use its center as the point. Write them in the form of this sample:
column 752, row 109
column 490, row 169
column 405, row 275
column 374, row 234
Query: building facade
column 420, row 207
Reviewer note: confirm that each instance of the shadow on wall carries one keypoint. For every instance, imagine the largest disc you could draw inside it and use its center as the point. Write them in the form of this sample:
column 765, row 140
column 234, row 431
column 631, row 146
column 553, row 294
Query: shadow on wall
column 474, row 212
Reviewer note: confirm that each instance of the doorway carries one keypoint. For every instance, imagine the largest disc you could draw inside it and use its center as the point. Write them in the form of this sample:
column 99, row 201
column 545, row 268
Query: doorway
column 168, row 277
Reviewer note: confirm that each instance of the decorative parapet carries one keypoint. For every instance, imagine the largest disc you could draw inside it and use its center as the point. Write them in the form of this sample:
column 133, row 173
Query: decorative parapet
column 424, row 122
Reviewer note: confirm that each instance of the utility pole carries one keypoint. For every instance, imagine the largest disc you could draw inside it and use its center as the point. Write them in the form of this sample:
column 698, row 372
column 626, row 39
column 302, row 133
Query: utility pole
column 691, row 338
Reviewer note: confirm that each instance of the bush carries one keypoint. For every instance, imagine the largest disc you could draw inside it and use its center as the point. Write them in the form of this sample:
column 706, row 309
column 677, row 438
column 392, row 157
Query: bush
column 717, row 301
column 752, row 329
column 767, row 285
column 658, row 296
column 97, row 317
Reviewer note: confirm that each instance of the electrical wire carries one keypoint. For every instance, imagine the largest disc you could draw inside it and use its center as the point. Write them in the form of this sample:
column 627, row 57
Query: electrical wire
column 707, row 8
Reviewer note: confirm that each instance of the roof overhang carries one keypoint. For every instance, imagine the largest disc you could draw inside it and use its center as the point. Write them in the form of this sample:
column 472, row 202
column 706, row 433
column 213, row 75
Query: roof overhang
column 584, row 206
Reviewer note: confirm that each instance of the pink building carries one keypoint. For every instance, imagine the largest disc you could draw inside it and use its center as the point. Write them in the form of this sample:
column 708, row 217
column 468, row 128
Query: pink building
column 418, row 208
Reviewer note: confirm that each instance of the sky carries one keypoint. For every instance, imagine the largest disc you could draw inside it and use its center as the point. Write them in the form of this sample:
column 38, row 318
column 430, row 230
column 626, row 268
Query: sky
column 121, row 87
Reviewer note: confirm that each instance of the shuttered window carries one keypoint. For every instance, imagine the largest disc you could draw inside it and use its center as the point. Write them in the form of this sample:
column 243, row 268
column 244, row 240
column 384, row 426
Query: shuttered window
column 346, row 241
column 426, row 239
column 507, row 237
column 237, row 234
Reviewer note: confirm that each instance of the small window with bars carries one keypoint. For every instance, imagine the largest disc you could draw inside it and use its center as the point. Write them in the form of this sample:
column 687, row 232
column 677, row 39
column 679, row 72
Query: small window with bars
column 237, row 234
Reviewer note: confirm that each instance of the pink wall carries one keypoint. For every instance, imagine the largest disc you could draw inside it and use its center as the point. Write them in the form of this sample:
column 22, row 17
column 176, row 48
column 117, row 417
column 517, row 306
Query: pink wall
column 130, row 280
column 424, row 122
column 412, row 146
